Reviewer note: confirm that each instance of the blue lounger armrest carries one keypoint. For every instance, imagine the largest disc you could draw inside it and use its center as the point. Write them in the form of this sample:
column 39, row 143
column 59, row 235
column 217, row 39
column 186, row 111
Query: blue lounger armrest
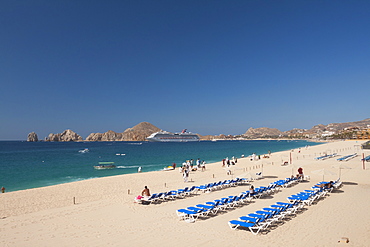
column 241, row 223
column 248, row 219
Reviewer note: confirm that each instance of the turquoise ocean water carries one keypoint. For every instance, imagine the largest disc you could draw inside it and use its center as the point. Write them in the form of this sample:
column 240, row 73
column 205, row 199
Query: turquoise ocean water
column 26, row 165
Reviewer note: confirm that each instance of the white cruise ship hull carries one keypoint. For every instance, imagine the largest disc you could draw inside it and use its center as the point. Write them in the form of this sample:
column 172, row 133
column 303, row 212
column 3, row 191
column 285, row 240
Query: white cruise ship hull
column 170, row 137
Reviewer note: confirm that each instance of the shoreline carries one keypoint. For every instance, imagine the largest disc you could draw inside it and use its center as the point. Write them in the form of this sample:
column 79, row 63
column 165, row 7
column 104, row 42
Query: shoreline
column 126, row 165
column 101, row 211
column 281, row 153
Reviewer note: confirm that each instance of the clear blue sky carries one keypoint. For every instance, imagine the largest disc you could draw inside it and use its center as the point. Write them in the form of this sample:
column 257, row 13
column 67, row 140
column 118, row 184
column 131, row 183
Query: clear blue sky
column 209, row 66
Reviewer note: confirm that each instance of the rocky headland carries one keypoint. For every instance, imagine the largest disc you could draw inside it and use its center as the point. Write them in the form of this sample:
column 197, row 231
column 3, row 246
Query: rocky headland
column 65, row 136
column 262, row 133
column 137, row 133
column 142, row 130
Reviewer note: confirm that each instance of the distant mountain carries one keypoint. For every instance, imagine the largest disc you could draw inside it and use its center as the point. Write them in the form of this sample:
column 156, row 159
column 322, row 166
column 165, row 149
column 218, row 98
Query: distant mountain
column 320, row 130
column 137, row 133
column 317, row 131
column 262, row 133
column 341, row 126
column 140, row 132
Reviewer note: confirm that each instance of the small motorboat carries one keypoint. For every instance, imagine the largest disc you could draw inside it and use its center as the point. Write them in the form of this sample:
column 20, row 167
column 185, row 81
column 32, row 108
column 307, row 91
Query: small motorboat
column 86, row 150
column 105, row 165
column 168, row 168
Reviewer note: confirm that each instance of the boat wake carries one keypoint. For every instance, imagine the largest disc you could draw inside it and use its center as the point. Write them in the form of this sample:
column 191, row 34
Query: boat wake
column 137, row 166
column 122, row 167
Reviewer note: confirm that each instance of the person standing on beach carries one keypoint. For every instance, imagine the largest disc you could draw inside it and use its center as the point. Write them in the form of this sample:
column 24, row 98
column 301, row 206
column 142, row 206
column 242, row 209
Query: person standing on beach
column 3, row 189
column 183, row 167
column 139, row 169
column 198, row 163
column 253, row 156
column 228, row 169
column 188, row 164
column 186, row 175
column 300, row 173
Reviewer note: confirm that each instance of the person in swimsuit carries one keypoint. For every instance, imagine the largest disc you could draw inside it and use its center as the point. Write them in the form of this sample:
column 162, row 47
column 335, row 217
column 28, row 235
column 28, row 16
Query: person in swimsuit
column 145, row 193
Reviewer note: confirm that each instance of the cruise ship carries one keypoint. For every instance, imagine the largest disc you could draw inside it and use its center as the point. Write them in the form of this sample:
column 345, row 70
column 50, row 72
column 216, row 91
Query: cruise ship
column 165, row 136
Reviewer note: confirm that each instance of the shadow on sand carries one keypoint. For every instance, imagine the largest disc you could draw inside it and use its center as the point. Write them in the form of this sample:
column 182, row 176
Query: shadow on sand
column 349, row 183
column 270, row 177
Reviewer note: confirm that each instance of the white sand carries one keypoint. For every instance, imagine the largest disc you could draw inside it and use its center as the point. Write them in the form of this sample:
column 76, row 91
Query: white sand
column 105, row 215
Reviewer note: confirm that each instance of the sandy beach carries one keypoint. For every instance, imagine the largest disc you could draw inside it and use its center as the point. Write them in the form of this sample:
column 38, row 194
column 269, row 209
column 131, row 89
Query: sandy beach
column 102, row 212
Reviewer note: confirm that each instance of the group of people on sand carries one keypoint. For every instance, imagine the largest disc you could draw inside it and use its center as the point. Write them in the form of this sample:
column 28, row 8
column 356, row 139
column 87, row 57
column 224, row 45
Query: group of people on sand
column 189, row 166
column 227, row 162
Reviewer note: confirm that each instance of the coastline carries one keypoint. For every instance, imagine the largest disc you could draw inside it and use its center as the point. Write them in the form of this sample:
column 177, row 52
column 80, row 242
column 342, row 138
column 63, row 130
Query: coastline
column 62, row 162
column 101, row 211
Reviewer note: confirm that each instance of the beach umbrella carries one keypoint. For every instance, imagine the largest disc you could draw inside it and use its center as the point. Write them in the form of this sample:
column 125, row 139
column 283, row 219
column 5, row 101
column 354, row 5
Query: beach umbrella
column 248, row 175
column 340, row 167
column 293, row 167
column 233, row 169
column 230, row 170
column 284, row 158
column 323, row 172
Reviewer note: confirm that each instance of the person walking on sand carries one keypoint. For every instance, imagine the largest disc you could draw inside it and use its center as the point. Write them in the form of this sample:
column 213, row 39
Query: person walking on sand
column 228, row 169
column 203, row 166
column 186, row 175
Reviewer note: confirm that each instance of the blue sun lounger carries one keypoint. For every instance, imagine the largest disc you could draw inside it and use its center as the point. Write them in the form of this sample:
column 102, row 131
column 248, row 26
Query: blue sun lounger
column 253, row 227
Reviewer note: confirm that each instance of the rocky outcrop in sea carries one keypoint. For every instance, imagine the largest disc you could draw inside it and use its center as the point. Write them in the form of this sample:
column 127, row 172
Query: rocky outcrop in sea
column 65, row 136
column 32, row 137
column 107, row 136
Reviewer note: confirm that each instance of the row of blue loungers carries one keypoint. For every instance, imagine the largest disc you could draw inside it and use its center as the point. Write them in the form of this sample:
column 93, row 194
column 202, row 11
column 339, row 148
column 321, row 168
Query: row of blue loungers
column 367, row 158
column 262, row 219
column 191, row 214
column 181, row 193
column 326, row 156
column 347, row 157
